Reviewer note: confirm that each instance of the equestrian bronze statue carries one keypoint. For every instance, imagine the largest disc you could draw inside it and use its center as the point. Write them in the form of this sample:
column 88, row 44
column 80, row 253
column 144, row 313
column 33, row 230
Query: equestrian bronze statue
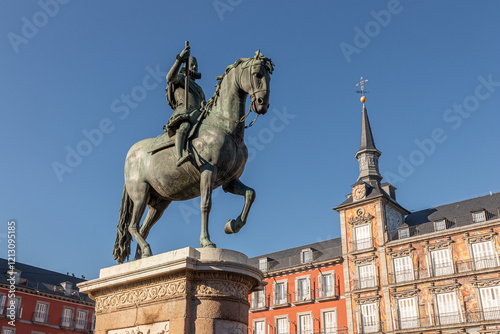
column 154, row 175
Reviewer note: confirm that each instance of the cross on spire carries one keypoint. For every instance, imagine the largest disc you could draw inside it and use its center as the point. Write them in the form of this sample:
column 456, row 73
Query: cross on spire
column 362, row 84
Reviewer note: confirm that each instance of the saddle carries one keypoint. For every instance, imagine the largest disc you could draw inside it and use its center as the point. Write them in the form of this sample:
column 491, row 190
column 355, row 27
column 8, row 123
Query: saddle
column 163, row 141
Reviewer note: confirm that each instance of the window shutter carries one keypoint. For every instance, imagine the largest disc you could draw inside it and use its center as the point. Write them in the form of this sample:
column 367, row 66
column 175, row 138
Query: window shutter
column 298, row 293
column 285, row 288
column 308, row 288
column 275, row 294
column 334, row 285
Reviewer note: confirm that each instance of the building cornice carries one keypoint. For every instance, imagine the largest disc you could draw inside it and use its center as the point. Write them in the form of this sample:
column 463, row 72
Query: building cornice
column 48, row 295
column 303, row 267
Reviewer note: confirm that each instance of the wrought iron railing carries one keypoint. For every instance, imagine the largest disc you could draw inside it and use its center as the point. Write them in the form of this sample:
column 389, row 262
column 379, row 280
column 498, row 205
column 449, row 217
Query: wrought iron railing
column 361, row 244
column 258, row 302
column 364, row 283
column 41, row 317
column 302, row 296
column 325, row 292
column 329, row 330
column 484, row 262
column 280, row 300
column 370, row 327
column 461, row 266
column 452, row 318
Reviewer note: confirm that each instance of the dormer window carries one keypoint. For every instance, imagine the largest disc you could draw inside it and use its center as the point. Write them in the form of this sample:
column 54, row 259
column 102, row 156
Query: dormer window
column 306, row 255
column 404, row 231
column 68, row 288
column 478, row 216
column 16, row 274
column 263, row 264
column 440, row 225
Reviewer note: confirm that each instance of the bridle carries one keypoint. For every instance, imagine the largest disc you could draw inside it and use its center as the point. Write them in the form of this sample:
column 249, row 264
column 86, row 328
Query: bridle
column 251, row 94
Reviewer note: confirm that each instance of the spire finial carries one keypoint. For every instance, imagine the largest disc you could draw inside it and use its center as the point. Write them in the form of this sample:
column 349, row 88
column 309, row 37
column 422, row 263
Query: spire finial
column 362, row 91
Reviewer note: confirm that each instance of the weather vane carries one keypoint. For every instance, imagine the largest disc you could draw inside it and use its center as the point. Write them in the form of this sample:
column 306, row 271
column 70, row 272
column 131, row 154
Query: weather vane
column 362, row 91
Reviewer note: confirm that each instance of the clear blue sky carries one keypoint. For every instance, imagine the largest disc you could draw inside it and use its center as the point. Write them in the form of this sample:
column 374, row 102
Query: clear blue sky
column 432, row 66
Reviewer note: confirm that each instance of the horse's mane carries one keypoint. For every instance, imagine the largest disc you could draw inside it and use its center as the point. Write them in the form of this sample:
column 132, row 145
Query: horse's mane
column 258, row 56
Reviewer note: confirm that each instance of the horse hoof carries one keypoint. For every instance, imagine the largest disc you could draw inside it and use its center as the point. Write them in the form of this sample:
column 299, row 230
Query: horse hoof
column 229, row 228
column 208, row 244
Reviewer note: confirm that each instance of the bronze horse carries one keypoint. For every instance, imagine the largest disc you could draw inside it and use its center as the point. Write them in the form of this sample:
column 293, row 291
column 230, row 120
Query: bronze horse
column 153, row 180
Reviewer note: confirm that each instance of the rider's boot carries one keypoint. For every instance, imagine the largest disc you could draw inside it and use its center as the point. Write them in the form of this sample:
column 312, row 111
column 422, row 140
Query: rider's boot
column 180, row 141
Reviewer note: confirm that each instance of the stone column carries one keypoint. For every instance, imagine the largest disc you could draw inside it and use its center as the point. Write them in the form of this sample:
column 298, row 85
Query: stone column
column 187, row 291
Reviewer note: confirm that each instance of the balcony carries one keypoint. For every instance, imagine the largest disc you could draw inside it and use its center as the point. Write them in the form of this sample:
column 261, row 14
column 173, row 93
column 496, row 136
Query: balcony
column 331, row 330
column 448, row 319
column 370, row 327
column 481, row 263
column 41, row 318
column 280, row 301
column 360, row 244
column 326, row 293
column 258, row 302
column 302, row 297
column 462, row 266
column 365, row 283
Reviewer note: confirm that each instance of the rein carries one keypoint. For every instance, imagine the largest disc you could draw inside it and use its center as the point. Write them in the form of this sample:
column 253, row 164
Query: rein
column 252, row 100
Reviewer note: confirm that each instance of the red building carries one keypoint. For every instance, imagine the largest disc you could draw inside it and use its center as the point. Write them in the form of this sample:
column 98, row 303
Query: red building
column 39, row 301
column 304, row 291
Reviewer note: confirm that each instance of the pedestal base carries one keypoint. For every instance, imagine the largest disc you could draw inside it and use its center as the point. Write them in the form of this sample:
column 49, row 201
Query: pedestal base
column 195, row 291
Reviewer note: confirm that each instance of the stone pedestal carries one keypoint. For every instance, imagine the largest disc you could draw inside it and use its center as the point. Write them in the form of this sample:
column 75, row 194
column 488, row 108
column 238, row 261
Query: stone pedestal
column 187, row 291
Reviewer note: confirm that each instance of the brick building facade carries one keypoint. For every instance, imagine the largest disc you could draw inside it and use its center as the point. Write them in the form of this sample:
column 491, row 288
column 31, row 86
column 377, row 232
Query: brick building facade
column 42, row 302
column 303, row 290
column 431, row 271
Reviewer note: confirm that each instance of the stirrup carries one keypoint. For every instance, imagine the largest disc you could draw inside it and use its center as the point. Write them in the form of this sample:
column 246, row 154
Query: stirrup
column 183, row 159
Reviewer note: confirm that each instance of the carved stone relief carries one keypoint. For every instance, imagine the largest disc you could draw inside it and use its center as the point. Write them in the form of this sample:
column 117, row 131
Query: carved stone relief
column 158, row 328
column 480, row 237
column 486, row 283
column 367, row 300
column 401, row 252
column 404, row 293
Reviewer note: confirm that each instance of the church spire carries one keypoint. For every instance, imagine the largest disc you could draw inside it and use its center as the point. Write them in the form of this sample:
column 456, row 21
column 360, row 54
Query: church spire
column 368, row 154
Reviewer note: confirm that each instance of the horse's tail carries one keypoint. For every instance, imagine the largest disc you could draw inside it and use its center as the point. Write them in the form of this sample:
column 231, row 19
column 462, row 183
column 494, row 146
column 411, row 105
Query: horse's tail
column 121, row 250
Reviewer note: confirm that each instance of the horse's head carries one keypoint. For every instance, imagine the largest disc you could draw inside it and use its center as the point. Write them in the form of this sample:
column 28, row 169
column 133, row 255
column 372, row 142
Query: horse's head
column 255, row 81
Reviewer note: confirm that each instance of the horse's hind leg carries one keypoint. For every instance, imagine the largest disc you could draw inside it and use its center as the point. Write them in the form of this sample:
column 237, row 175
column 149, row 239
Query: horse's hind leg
column 238, row 188
column 140, row 196
column 155, row 211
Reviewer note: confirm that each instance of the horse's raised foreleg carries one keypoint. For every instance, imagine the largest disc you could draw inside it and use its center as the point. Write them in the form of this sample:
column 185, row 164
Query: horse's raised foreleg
column 155, row 211
column 207, row 182
column 238, row 188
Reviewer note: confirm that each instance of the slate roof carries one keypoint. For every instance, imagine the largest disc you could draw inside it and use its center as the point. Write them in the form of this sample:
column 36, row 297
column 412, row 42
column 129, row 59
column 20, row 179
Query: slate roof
column 288, row 258
column 367, row 142
column 457, row 214
column 43, row 280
